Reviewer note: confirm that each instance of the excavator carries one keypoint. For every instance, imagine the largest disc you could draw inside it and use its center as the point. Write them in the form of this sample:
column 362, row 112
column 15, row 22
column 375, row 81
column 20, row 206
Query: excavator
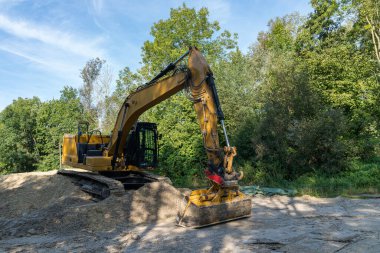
column 125, row 157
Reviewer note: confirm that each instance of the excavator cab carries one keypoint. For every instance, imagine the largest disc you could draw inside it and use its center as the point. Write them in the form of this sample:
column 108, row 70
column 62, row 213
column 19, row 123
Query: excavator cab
column 141, row 149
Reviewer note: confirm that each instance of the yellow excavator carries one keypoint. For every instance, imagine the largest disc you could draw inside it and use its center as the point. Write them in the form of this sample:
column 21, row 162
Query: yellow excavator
column 131, row 150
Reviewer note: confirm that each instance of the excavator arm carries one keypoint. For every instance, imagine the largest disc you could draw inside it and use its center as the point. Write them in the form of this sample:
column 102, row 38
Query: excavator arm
column 200, row 81
column 209, row 111
column 137, row 103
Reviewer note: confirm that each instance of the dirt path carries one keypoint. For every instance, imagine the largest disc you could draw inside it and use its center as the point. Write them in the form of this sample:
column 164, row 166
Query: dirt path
column 45, row 212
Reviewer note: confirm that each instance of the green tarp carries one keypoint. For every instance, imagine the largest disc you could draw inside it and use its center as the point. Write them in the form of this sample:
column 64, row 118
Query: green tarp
column 267, row 191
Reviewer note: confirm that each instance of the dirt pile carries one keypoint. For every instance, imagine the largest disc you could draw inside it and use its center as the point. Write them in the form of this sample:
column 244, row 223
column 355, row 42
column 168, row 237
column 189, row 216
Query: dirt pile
column 47, row 202
column 152, row 203
column 22, row 193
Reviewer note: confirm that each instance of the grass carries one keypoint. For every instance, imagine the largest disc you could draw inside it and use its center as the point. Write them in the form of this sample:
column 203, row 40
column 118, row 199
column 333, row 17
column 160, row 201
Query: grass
column 360, row 178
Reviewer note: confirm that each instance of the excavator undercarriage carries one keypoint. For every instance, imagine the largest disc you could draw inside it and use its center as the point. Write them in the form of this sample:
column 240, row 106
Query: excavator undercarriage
column 102, row 184
column 110, row 164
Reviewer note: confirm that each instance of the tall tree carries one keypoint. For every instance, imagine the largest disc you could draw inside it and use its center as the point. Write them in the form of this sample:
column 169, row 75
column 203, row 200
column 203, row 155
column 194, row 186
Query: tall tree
column 103, row 98
column 291, row 131
column 18, row 150
column 369, row 11
column 185, row 27
column 89, row 75
column 181, row 148
column 55, row 118
column 339, row 68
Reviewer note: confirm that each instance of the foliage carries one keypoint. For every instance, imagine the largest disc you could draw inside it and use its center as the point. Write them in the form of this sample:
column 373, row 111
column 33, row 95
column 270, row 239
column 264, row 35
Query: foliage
column 54, row 118
column 185, row 27
column 369, row 13
column 18, row 151
column 315, row 93
column 181, row 148
column 361, row 177
column 32, row 131
column 89, row 75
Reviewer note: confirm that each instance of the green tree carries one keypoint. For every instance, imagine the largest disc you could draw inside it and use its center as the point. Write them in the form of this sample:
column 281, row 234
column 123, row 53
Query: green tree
column 291, row 131
column 18, row 151
column 89, row 75
column 68, row 93
column 339, row 68
column 185, row 27
column 54, row 119
column 369, row 13
column 103, row 101
column 181, row 151
column 235, row 79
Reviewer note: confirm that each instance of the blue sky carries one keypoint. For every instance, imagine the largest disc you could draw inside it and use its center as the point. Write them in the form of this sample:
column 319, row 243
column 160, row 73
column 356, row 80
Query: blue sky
column 45, row 43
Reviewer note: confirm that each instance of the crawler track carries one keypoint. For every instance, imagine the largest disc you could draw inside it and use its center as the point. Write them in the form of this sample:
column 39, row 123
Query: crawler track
column 94, row 183
column 106, row 183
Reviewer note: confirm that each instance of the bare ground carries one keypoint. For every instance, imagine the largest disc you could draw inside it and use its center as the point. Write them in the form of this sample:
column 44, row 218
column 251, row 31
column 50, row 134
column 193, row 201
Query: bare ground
column 46, row 212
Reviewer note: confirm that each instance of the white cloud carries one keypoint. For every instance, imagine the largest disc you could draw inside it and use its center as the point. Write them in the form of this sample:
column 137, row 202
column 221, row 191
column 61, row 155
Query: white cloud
column 21, row 54
column 53, row 37
column 46, row 58
column 97, row 6
column 47, row 52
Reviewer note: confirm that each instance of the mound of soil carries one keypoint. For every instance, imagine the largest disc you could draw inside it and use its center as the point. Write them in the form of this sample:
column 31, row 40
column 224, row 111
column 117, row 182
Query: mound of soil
column 41, row 203
column 22, row 193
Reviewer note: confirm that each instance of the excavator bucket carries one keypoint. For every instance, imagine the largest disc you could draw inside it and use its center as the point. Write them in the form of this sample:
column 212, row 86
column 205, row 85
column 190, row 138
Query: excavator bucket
column 207, row 207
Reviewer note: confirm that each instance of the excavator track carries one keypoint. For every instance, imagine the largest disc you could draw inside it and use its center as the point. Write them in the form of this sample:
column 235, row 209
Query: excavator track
column 94, row 183
column 110, row 183
column 133, row 179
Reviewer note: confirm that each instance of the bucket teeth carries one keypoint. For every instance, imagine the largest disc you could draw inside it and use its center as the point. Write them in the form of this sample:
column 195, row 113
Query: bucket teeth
column 198, row 215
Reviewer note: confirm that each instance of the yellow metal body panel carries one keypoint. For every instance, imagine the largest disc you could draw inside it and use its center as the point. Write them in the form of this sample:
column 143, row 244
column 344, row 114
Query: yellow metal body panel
column 195, row 198
column 69, row 149
column 70, row 152
column 97, row 161
column 89, row 168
